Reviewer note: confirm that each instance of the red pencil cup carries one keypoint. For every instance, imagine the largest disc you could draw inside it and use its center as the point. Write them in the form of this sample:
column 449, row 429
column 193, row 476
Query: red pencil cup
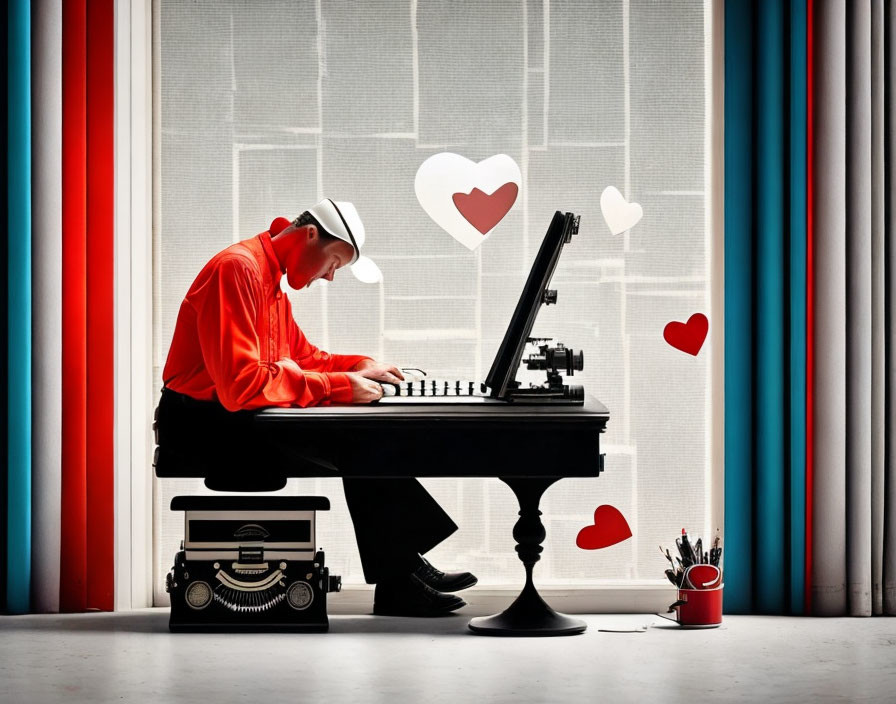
column 699, row 608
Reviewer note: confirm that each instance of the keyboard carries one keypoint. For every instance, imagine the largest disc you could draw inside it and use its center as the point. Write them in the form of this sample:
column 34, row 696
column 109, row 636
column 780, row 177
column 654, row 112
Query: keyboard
column 424, row 391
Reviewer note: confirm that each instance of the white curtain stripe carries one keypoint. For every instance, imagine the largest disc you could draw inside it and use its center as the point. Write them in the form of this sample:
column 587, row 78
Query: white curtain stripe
column 854, row 495
column 858, row 315
column 829, row 382
column 47, row 302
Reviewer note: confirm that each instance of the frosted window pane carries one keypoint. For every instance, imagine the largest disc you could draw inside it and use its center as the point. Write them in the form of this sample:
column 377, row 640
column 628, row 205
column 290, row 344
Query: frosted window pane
column 268, row 106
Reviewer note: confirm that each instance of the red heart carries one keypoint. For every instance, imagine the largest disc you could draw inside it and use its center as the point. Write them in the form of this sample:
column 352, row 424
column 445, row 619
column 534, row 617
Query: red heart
column 610, row 527
column 484, row 211
column 687, row 337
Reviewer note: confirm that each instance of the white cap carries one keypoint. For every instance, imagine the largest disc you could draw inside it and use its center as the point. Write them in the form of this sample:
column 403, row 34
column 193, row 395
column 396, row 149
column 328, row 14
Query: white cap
column 342, row 221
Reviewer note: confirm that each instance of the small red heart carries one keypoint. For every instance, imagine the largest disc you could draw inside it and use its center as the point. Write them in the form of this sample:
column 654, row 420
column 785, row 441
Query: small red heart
column 687, row 337
column 484, row 211
column 610, row 527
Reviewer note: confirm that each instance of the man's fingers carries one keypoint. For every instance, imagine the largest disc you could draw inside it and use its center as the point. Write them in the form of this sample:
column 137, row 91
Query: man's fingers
column 381, row 375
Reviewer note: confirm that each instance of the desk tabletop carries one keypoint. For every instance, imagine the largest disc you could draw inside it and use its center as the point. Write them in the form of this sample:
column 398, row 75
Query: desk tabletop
column 593, row 411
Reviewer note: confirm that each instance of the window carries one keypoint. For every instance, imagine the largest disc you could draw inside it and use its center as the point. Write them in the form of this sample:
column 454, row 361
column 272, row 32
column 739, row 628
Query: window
column 267, row 107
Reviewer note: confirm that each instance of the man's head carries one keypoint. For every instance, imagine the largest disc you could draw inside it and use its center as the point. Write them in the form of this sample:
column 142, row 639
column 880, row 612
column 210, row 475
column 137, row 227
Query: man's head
column 318, row 242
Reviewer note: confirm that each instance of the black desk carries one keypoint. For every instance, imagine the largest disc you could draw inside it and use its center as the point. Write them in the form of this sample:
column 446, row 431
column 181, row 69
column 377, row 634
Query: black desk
column 527, row 447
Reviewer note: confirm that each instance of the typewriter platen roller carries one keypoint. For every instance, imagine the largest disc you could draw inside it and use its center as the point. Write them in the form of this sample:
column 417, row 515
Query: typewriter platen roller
column 249, row 563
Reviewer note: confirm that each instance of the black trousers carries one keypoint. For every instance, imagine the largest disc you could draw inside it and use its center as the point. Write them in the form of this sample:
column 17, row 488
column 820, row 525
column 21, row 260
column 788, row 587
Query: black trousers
column 394, row 519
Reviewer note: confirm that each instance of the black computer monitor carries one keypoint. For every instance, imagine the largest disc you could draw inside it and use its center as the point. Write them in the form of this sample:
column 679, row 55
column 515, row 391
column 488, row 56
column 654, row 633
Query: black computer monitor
column 502, row 375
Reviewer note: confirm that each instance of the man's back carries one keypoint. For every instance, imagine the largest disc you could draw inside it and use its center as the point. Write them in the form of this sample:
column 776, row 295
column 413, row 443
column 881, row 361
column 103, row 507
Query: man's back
column 235, row 340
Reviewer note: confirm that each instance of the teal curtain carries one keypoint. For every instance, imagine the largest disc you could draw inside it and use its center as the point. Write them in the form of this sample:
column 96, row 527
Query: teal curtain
column 18, row 553
column 4, row 313
column 765, row 335
column 739, row 433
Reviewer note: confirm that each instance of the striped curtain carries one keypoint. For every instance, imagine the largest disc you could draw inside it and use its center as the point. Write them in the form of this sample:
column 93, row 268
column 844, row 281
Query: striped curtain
column 59, row 533
column 810, row 496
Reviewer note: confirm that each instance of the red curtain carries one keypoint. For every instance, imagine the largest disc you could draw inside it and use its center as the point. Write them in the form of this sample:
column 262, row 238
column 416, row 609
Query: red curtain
column 87, row 560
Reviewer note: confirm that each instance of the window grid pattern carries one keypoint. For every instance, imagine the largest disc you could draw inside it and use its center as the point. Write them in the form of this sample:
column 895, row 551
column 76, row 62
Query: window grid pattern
column 266, row 107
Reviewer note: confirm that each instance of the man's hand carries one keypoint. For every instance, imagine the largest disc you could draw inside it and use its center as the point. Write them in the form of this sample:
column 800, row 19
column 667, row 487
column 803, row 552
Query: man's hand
column 364, row 390
column 379, row 371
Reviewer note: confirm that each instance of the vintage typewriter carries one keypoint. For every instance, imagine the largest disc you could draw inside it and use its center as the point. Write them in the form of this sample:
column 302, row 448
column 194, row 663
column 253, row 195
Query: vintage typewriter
column 501, row 386
column 249, row 563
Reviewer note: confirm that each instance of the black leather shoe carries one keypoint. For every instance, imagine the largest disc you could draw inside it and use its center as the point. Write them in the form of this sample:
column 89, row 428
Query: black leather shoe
column 409, row 596
column 443, row 581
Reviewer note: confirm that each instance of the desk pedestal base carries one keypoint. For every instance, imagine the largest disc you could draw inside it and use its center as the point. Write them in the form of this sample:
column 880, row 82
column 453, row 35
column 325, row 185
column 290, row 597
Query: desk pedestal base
column 529, row 615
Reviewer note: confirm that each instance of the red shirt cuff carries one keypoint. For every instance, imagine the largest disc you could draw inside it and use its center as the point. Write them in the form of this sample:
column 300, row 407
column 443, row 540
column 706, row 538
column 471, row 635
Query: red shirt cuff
column 340, row 387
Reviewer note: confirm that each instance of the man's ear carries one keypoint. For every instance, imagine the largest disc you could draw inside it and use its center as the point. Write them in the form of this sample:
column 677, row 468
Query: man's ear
column 312, row 232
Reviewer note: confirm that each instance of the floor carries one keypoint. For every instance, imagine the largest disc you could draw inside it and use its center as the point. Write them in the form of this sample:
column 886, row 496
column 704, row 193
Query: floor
column 131, row 656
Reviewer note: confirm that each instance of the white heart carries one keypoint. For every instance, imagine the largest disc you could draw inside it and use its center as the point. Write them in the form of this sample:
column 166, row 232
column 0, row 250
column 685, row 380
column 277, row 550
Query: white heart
column 619, row 214
column 444, row 174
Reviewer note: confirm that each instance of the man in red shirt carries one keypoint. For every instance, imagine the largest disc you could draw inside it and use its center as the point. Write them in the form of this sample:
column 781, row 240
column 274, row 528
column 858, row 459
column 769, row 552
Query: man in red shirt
column 236, row 348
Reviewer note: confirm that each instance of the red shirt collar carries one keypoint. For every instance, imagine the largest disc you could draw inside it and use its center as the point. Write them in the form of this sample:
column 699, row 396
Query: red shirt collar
column 276, row 268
